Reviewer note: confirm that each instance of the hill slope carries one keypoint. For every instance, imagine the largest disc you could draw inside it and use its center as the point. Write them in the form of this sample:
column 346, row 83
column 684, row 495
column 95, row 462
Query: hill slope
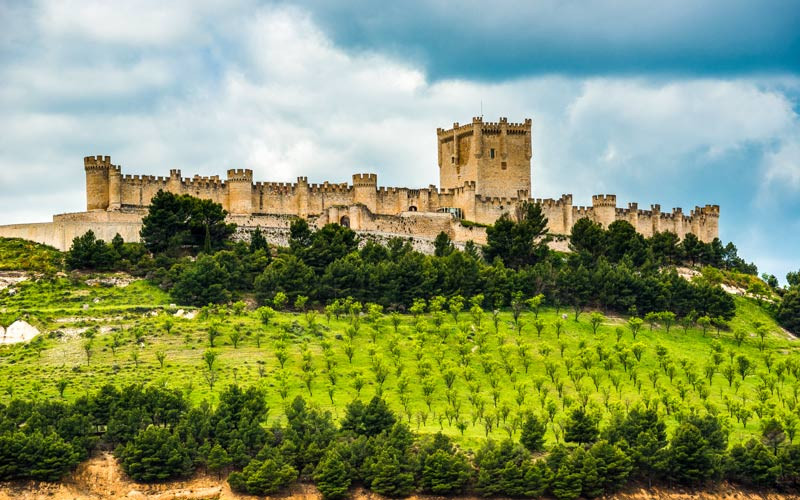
column 98, row 333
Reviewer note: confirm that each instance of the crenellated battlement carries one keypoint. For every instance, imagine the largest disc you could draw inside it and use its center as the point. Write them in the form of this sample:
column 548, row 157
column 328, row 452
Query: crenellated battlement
column 384, row 190
column 98, row 162
column 275, row 186
column 675, row 215
column 702, row 221
column 581, row 212
column 365, row 180
column 707, row 211
column 240, row 175
column 604, row 200
column 496, row 200
column 487, row 127
column 467, row 187
column 143, row 179
column 327, row 187
column 484, row 172
column 200, row 183
column 564, row 201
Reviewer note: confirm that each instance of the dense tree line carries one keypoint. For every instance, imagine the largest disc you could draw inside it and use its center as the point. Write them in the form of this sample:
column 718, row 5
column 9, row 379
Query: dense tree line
column 614, row 269
column 328, row 264
column 88, row 252
column 788, row 313
column 157, row 436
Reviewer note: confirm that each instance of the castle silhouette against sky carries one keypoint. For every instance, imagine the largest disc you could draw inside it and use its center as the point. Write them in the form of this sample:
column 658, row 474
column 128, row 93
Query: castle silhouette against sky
column 484, row 172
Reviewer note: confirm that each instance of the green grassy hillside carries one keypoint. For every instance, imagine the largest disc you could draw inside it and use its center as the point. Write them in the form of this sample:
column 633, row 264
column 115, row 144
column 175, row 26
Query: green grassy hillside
column 464, row 377
column 23, row 255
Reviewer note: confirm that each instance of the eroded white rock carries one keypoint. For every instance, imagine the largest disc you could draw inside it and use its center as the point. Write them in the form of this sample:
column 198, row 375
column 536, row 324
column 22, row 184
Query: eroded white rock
column 19, row 331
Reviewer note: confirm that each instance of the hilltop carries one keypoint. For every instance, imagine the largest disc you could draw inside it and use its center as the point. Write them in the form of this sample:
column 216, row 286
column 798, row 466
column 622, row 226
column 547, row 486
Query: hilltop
column 131, row 322
column 504, row 370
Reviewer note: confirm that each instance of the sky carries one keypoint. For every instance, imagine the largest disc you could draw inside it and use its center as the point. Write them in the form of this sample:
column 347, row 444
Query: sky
column 678, row 103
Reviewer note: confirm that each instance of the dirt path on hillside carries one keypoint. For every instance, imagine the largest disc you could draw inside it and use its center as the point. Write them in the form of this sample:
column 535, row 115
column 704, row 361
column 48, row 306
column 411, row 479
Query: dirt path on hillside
column 100, row 478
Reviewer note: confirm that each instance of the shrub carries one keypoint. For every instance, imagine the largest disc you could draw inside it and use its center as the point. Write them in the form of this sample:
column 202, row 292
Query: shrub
column 155, row 454
column 265, row 475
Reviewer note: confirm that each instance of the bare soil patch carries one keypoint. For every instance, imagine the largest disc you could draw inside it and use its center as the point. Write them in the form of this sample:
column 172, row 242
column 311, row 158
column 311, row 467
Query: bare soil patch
column 100, row 477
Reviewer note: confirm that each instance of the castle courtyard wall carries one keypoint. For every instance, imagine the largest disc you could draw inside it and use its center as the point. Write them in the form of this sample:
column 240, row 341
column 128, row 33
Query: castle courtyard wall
column 419, row 228
column 63, row 229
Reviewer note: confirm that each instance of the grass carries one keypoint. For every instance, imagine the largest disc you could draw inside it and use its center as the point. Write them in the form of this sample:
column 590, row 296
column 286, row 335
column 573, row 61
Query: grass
column 485, row 366
column 22, row 255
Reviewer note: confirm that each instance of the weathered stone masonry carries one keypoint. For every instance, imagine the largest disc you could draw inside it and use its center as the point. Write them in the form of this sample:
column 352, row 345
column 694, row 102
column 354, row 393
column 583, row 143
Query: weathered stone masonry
column 484, row 171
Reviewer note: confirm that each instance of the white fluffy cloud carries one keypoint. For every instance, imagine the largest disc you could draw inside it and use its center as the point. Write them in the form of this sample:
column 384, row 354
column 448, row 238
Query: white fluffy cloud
column 148, row 23
column 783, row 165
column 267, row 89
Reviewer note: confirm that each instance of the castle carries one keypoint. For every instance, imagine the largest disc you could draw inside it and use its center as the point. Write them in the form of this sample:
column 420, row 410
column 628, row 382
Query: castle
column 484, row 172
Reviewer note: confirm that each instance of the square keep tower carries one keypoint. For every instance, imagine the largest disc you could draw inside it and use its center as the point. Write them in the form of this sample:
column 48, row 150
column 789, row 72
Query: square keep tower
column 496, row 156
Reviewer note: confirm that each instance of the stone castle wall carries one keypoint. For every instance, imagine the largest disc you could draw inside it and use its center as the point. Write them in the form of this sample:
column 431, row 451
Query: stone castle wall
column 484, row 172
column 64, row 228
column 419, row 228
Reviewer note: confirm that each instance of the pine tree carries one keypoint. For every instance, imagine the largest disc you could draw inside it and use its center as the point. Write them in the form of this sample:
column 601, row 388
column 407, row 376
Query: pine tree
column 537, row 478
column 518, row 243
column 258, row 241
column 218, row 459
column 390, row 476
column 613, row 465
column 370, row 419
column 445, row 473
column 568, row 481
column 332, row 476
column 689, row 458
column 87, row 252
column 591, row 481
column 581, row 427
column 442, row 246
column 532, row 436
column 264, row 476
column 201, row 283
column 752, row 463
column 155, row 454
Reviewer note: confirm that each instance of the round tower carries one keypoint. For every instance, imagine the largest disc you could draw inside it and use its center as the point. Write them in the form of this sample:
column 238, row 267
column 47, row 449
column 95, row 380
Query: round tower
column 114, row 187
column 240, row 191
column 365, row 190
column 97, row 182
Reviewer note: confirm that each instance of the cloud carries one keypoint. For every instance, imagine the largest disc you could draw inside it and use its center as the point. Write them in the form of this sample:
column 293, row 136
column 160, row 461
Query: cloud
column 140, row 24
column 516, row 38
column 270, row 88
column 628, row 123
column 783, row 166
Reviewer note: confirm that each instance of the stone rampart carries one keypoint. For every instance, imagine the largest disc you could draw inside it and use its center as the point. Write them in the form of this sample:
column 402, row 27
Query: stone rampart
column 485, row 172
column 59, row 234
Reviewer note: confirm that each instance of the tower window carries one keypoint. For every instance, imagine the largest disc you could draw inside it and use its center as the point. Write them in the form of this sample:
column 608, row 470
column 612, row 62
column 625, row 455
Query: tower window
column 453, row 159
column 503, row 165
column 491, row 153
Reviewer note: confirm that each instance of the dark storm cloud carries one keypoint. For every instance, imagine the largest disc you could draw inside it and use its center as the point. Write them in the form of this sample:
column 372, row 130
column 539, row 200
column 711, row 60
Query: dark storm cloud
column 678, row 103
column 506, row 39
